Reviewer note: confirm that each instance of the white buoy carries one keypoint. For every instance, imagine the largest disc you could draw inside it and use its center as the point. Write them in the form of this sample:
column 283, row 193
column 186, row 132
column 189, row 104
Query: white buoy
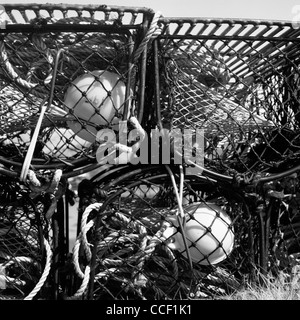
column 95, row 98
column 208, row 231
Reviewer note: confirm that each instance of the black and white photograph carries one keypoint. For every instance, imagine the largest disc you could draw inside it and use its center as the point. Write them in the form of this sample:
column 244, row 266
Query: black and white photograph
column 149, row 151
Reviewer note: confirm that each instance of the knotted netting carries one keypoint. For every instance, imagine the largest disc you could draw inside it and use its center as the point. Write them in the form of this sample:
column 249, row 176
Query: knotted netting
column 128, row 238
column 145, row 231
column 238, row 82
column 28, row 238
column 50, row 54
column 83, row 49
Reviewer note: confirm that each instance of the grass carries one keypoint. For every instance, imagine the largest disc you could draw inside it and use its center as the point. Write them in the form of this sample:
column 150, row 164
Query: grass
column 283, row 287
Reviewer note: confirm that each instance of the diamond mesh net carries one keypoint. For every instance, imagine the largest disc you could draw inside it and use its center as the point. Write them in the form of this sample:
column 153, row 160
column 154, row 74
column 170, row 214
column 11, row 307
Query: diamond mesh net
column 23, row 228
column 239, row 87
column 148, row 231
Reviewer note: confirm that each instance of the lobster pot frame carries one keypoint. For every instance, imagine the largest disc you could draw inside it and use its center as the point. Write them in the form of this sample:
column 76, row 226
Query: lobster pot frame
column 238, row 81
column 46, row 136
column 126, row 211
column 44, row 49
column 28, row 241
column 131, row 256
column 68, row 73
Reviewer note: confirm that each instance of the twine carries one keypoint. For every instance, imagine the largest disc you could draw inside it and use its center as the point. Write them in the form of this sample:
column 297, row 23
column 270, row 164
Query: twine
column 153, row 32
column 48, row 54
column 6, row 280
column 40, row 44
column 85, row 227
column 84, row 284
column 147, row 245
column 43, row 48
column 45, row 274
column 55, row 192
column 125, row 261
column 82, row 240
column 11, row 71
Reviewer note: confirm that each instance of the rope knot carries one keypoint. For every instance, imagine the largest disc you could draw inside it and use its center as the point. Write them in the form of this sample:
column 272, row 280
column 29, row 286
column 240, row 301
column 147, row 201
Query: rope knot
column 241, row 180
column 153, row 32
column 55, row 188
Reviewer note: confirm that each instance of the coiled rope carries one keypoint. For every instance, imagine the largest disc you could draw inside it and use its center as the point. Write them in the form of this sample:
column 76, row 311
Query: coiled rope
column 45, row 274
column 115, row 265
column 38, row 42
column 82, row 240
column 5, row 280
column 11, row 71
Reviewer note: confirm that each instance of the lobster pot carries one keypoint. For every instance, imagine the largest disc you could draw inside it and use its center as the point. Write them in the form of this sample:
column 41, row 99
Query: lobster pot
column 137, row 252
column 26, row 243
column 76, row 61
column 238, row 82
column 66, row 72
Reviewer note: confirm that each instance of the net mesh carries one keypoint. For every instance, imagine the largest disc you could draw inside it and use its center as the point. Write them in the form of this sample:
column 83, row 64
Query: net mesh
column 240, row 87
column 138, row 250
column 81, row 51
column 133, row 247
column 21, row 109
column 146, row 232
column 23, row 228
column 38, row 68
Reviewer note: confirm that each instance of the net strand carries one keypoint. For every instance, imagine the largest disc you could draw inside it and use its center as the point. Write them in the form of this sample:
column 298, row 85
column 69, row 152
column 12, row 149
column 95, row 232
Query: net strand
column 152, row 32
column 45, row 273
